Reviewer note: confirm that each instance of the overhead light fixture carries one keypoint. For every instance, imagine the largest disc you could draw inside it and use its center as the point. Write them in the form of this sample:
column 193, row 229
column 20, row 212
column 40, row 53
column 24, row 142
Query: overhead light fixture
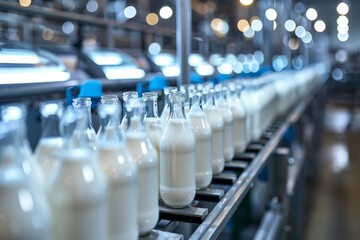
column 166, row 12
column 343, row 37
column 130, row 12
column 343, row 28
column 311, row 14
column 342, row 20
column 152, row 19
column 342, row 8
column 246, row 2
column 300, row 31
column 257, row 25
column 25, row 3
column 319, row 26
column 271, row 14
column 290, row 25
column 242, row 24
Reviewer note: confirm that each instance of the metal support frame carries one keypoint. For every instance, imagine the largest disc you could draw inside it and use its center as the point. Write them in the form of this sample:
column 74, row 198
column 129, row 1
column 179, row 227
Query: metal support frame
column 183, row 39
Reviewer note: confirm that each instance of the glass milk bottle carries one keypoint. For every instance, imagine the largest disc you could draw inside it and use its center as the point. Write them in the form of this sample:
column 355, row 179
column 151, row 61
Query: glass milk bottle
column 239, row 113
column 110, row 99
column 121, row 173
column 152, row 123
column 50, row 143
column 24, row 213
column 202, row 132
column 186, row 89
column 246, row 98
column 127, row 97
column 18, row 112
column 166, row 110
column 77, row 187
column 146, row 159
column 227, row 116
column 177, row 157
column 217, row 127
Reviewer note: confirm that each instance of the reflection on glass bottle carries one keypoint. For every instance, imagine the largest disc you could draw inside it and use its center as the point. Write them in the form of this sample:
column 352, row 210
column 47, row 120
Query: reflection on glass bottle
column 166, row 110
column 177, row 157
column 110, row 99
column 145, row 156
column 89, row 132
column 77, row 188
column 18, row 112
column 239, row 113
column 152, row 123
column 127, row 97
column 24, row 211
column 217, row 128
column 227, row 116
column 121, row 173
column 50, row 143
column 202, row 132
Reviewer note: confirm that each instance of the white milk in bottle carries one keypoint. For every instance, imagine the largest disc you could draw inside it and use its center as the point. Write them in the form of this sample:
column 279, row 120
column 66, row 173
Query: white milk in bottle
column 217, row 128
column 146, row 159
column 202, row 132
column 24, row 213
column 152, row 123
column 227, row 116
column 77, row 187
column 239, row 114
column 121, row 174
column 177, row 157
column 50, row 143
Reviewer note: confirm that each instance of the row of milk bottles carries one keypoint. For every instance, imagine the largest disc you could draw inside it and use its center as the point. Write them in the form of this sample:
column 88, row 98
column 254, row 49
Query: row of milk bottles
column 83, row 185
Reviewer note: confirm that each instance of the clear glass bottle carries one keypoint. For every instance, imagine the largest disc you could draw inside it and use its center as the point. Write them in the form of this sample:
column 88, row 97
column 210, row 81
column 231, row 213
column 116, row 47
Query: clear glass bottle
column 121, row 173
column 166, row 110
column 177, row 157
column 201, row 129
column 146, row 159
column 24, row 213
column 227, row 116
column 127, row 97
column 217, row 127
column 152, row 123
column 186, row 89
column 50, row 143
column 89, row 132
column 239, row 113
column 18, row 112
column 77, row 188
column 247, row 99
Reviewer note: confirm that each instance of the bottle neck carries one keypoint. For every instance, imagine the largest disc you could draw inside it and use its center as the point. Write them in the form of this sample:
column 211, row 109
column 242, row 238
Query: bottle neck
column 209, row 99
column 50, row 126
column 195, row 102
column 177, row 110
column 134, row 119
column 110, row 130
column 151, row 108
